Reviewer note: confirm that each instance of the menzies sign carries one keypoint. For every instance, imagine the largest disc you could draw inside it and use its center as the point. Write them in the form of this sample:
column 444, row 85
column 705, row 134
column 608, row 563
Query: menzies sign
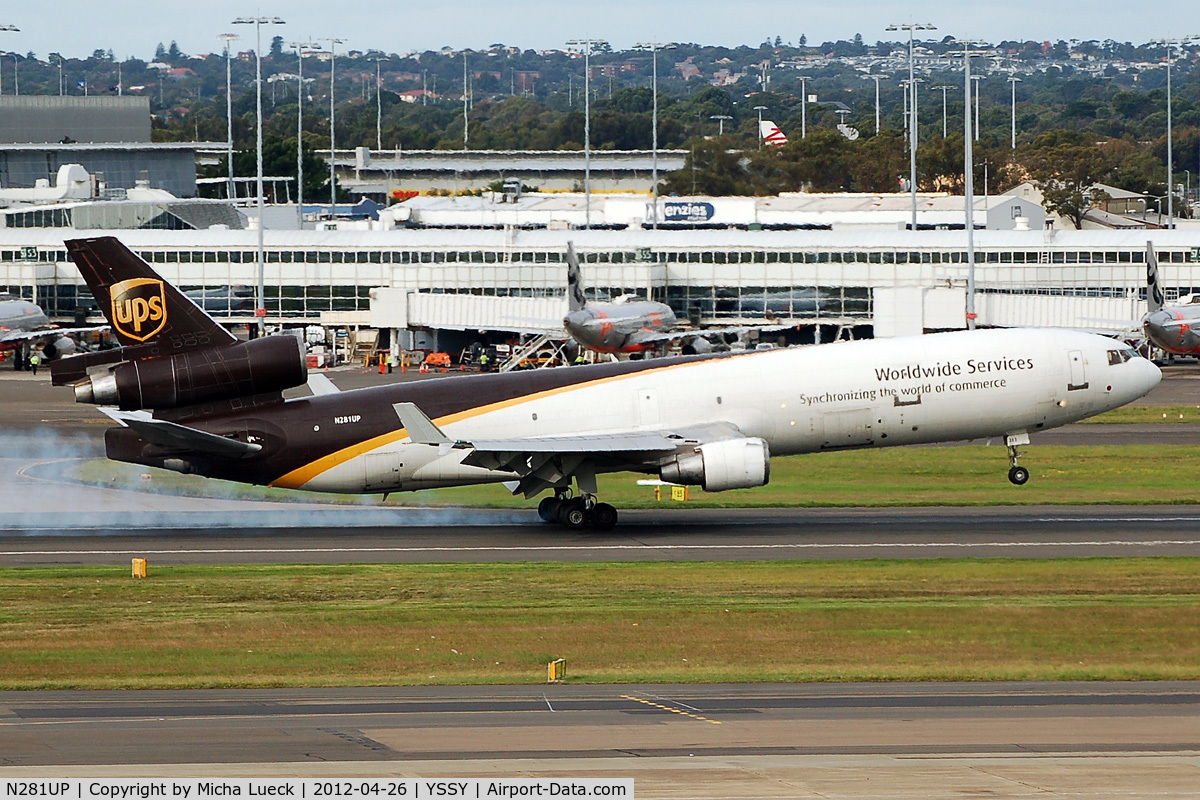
column 687, row 211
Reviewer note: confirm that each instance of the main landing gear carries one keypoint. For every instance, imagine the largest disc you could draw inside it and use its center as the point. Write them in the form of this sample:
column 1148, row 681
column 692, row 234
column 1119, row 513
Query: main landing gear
column 577, row 512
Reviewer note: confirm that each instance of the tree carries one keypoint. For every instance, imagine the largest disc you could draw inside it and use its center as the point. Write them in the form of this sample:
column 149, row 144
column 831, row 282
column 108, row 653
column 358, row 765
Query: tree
column 276, row 47
column 174, row 54
column 160, row 53
column 1067, row 175
column 803, row 40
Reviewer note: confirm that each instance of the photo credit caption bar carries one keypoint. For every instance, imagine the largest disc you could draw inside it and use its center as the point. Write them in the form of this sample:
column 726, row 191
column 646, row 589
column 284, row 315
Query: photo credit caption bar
column 305, row 789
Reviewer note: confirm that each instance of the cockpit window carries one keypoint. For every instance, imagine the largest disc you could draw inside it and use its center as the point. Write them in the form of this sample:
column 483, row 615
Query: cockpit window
column 1121, row 356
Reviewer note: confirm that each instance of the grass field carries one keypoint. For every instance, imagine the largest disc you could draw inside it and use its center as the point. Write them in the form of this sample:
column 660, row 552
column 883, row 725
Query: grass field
column 905, row 476
column 1140, row 415
column 479, row 623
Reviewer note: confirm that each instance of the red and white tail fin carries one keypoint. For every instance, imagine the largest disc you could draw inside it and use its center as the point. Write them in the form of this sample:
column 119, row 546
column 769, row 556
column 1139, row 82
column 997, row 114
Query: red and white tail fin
column 771, row 134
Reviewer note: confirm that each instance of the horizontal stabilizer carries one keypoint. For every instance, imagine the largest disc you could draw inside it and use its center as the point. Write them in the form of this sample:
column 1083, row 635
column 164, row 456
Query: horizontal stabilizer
column 420, row 427
column 320, row 384
column 181, row 437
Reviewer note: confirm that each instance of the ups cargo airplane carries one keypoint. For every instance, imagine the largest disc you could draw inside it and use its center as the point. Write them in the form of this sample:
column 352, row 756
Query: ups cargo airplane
column 191, row 398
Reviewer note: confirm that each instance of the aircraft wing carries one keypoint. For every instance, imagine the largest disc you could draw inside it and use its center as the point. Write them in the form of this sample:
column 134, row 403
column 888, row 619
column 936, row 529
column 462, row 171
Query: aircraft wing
column 47, row 333
column 181, row 437
column 704, row 333
column 542, row 462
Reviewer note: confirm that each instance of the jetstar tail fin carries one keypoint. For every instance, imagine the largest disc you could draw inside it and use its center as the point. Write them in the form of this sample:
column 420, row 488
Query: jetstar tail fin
column 141, row 307
column 1154, row 292
column 575, row 297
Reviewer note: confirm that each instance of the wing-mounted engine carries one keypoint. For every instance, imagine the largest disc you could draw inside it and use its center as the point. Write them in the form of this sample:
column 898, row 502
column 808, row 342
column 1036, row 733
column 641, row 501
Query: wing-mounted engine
column 726, row 464
column 256, row 367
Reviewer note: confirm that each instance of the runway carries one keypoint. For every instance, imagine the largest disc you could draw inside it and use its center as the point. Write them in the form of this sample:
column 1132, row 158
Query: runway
column 730, row 740
column 668, row 535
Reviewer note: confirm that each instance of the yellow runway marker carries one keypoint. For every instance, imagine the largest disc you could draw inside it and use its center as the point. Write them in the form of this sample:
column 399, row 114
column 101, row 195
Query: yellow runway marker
column 669, row 708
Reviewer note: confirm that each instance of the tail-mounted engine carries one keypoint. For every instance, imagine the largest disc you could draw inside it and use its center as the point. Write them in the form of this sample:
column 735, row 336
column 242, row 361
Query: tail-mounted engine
column 259, row 366
column 717, row 466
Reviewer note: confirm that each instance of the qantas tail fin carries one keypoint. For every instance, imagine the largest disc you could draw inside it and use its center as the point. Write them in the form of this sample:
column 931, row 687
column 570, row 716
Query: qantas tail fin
column 771, row 134
column 575, row 298
column 141, row 307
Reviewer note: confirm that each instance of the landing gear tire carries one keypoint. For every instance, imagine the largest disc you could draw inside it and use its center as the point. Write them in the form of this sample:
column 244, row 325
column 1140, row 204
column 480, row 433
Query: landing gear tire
column 548, row 509
column 573, row 513
column 1018, row 475
column 604, row 517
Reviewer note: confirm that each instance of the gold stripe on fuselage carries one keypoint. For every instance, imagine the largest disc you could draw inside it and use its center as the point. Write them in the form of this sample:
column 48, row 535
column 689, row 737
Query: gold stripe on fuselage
column 302, row 475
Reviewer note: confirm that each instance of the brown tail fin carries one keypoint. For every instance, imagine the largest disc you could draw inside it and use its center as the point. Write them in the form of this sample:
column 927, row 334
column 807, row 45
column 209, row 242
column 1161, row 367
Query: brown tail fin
column 141, row 307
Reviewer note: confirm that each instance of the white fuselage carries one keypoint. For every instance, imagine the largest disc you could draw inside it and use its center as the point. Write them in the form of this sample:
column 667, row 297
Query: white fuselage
column 873, row 393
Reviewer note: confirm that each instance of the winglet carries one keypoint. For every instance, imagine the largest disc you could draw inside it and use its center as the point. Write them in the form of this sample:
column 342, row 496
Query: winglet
column 1154, row 292
column 420, row 427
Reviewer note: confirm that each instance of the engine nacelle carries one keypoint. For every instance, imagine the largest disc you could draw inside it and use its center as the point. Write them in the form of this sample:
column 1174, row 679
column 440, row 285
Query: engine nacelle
column 717, row 466
column 259, row 366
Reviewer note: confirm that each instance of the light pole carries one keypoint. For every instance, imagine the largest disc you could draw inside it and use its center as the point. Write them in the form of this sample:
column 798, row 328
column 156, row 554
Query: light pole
column 912, row 117
column 16, row 77
column 378, row 107
column 586, row 44
column 877, row 79
column 60, row 77
column 804, row 79
column 260, row 309
column 333, row 43
column 1171, row 45
column 466, row 107
column 969, row 183
column 721, row 122
column 226, row 38
column 654, row 47
column 760, row 109
column 977, row 79
column 944, row 89
column 300, row 129
column 1014, row 80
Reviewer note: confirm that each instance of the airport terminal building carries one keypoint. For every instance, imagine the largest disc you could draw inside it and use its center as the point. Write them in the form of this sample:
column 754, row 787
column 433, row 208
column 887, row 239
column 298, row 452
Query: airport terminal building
column 892, row 281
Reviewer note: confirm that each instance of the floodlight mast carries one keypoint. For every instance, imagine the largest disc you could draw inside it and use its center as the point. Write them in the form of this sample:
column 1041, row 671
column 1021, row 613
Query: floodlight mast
column 333, row 43
column 260, row 309
column 1013, row 80
column 586, row 44
column 969, row 181
column 720, row 118
column 804, row 79
column 654, row 47
column 912, row 117
column 877, row 79
column 1172, row 44
column 943, row 89
column 227, row 38
column 300, row 129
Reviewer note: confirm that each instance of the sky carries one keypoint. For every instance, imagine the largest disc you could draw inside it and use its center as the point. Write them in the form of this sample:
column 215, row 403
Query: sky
column 135, row 27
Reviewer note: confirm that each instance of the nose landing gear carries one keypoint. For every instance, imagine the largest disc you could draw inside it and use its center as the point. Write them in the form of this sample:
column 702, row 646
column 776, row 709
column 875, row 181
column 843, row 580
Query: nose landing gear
column 1016, row 473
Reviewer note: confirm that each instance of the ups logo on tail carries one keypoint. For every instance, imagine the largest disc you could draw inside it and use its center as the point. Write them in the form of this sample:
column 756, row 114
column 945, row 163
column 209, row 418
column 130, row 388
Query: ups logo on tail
column 139, row 307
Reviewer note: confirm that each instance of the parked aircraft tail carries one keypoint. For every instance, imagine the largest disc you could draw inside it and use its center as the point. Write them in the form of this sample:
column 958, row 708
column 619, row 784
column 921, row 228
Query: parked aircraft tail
column 1154, row 292
column 575, row 297
column 771, row 134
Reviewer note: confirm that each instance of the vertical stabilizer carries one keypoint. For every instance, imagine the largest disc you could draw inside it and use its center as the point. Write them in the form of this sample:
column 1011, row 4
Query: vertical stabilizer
column 1154, row 292
column 141, row 307
column 575, row 298
column 771, row 134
